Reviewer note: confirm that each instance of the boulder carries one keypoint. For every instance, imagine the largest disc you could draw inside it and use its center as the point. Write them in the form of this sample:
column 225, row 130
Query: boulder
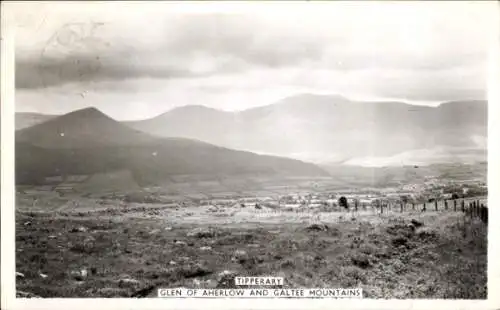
column 126, row 282
column 416, row 223
column 240, row 256
column 317, row 227
column 201, row 233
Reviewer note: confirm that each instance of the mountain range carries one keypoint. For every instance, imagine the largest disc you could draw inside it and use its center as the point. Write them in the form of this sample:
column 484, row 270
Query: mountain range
column 86, row 142
column 324, row 129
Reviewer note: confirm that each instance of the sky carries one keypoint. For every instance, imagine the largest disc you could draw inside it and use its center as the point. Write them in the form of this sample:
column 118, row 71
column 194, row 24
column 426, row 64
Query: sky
column 136, row 60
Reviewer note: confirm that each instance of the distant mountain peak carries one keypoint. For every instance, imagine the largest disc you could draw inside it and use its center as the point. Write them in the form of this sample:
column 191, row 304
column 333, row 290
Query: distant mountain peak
column 86, row 127
column 88, row 112
column 189, row 111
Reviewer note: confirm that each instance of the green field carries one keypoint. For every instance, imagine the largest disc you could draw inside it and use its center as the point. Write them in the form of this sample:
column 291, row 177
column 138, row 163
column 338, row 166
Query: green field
column 132, row 252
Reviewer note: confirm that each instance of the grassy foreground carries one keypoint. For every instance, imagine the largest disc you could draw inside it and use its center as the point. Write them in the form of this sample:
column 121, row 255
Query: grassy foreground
column 92, row 256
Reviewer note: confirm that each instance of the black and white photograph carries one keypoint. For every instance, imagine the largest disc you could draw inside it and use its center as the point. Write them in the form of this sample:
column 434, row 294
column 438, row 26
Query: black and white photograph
column 336, row 150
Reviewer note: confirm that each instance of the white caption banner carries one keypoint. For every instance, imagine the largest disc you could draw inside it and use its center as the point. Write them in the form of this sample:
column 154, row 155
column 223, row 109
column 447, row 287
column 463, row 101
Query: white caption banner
column 356, row 293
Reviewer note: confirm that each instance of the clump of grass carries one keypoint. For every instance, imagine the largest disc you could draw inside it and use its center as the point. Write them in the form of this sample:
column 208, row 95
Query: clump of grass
column 352, row 276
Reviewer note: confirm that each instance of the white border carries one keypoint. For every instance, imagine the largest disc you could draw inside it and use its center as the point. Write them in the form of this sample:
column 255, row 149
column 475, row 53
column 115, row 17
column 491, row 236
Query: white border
column 8, row 300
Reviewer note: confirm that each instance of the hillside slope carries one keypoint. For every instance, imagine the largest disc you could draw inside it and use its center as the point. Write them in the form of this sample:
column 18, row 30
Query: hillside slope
column 88, row 142
column 28, row 119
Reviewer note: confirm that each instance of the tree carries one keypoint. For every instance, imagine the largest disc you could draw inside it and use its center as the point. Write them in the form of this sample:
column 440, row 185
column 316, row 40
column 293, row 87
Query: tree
column 342, row 202
column 404, row 199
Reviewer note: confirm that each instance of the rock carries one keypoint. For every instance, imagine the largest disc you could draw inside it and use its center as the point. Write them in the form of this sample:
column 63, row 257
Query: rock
column 427, row 234
column 79, row 275
column 317, row 227
column 400, row 230
column 21, row 294
column 178, row 242
column 19, row 274
column 43, row 276
column 89, row 242
column 52, row 237
column 172, row 263
column 84, row 273
column 210, row 283
column 253, row 245
column 225, row 279
column 195, row 270
column 399, row 241
column 225, row 273
column 154, row 231
column 196, row 282
column 417, row 223
column 79, row 229
column 168, row 228
column 240, row 256
column 184, row 258
column 207, row 284
column 205, row 248
column 201, row 233
column 128, row 282
column 361, row 260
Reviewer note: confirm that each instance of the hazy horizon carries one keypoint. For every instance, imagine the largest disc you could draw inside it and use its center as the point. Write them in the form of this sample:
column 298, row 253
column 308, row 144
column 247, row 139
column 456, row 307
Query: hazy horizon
column 243, row 109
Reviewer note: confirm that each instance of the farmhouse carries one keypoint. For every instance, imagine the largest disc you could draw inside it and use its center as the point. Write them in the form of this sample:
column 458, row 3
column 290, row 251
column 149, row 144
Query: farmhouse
column 366, row 201
column 69, row 188
column 448, row 196
column 54, row 179
column 76, row 178
column 315, row 205
column 45, row 188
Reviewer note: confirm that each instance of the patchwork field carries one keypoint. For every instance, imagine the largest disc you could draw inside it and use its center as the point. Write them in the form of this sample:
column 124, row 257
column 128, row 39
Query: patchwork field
column 117, row 251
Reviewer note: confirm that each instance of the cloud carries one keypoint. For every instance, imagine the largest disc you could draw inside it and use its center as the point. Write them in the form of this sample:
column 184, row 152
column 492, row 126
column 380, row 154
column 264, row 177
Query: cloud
column 47, row 71
column 414, row 51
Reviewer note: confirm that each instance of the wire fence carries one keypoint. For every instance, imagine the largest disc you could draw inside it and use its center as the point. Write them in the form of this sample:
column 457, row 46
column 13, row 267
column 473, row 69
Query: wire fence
column 472, row 207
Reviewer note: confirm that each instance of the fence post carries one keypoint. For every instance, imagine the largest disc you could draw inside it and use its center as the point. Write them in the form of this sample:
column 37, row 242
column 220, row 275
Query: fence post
column 484, row 214
column 401, row 207
column 446, row 205
column 424, row 208
column 413, row 206
column 436, row 204
column 455, row 205
column 463, row 206
column 470, row 209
